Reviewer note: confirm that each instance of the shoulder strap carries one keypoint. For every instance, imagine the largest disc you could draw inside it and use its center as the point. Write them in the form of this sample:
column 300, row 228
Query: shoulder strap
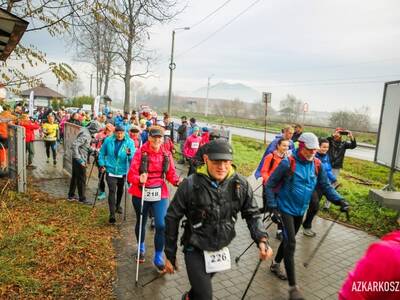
column 271, row 163
column 292, row 162
column 143, row 163
column 317, row 165
column 165, row 165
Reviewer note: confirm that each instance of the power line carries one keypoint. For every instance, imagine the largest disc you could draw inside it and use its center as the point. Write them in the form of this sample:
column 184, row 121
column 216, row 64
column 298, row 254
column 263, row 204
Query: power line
column 211, row 14
column 219, row 29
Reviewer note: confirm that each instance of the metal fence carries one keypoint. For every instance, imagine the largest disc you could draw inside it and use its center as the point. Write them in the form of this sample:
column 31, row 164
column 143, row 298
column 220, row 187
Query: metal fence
column 17, row 156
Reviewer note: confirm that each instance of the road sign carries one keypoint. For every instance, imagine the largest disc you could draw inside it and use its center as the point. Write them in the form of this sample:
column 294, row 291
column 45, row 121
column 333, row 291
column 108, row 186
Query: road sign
column 267, row 97
column 305, row 107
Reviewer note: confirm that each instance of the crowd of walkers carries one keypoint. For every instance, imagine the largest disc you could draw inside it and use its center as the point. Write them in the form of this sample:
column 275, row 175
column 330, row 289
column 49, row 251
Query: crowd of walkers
column 134, row 152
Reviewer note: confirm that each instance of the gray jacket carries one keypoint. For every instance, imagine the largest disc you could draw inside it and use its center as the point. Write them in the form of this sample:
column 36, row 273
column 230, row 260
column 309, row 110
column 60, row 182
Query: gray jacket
column 81, row 146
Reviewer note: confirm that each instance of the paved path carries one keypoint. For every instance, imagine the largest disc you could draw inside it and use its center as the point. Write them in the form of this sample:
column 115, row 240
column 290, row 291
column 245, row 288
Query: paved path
column 343, row 247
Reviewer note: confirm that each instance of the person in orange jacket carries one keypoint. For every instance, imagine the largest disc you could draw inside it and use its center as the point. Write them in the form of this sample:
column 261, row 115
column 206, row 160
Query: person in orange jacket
column 271, row 162
column 6, row 117
column 273, row 159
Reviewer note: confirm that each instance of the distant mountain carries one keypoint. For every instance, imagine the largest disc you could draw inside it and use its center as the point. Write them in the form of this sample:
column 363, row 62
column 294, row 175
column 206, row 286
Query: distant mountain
column 224, row 90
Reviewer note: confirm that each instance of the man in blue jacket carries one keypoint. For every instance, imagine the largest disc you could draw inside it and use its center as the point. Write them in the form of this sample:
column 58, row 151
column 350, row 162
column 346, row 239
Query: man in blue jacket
column 288, row 192
column 114, row 159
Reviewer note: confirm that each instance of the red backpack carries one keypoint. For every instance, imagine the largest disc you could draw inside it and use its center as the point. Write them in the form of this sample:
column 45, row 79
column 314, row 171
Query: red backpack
column 292, row 161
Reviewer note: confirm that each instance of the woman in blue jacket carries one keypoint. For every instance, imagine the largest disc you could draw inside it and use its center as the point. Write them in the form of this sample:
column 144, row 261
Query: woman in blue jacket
column 114, row 159
column 323, row 156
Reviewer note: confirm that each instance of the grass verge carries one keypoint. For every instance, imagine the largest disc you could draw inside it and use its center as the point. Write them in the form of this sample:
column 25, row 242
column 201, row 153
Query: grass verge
column 357, row 178
column 275, row 127
column 52, row 249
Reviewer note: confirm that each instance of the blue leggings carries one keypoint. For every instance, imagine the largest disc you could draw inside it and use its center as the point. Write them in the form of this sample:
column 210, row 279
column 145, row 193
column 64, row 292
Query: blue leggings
column 159, row 212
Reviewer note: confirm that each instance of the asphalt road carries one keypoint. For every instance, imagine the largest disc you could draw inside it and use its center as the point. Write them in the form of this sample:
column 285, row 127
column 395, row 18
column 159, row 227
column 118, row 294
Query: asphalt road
column 363, row 153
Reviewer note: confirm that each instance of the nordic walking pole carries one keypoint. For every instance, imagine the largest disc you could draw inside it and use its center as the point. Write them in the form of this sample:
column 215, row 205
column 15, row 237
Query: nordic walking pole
column 305, row 264
column 257, row 188
column 140, row 236
column 158, row 276
column 98, row 188
column 126, row 187
column 142, row 170
column 126, row 191
column 90, row 173
column 237, row 258
column 252, row 278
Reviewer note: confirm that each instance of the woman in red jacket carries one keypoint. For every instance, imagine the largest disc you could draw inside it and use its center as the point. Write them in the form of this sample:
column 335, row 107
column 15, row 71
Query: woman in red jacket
column 30, row 128
column 190, row 148
column 151, row 166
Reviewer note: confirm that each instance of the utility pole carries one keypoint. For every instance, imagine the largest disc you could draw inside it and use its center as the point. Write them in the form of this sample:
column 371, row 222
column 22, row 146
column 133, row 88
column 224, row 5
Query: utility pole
column 172, row 67
column 266, row 98
column 208, row 91
column 305, row 109
column 91, row 79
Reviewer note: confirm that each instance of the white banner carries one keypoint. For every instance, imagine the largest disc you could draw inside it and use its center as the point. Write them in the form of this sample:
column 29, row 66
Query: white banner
column 96, row 106
column 31, row 96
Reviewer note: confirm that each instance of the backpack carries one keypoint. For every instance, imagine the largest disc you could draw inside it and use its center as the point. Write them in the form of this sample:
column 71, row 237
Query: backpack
column 292, row 162
column 292, row 169
column 144, row 163
column 193, row 187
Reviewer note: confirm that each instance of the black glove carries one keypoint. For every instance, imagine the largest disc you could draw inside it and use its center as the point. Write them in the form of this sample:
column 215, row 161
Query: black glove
column 275, row 215
column 344, row 206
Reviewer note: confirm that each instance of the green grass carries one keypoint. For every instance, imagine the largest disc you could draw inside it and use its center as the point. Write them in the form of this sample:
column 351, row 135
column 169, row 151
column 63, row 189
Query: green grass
column 53, row 249
column 247, row 154
column 357, row 178
column 273, row 127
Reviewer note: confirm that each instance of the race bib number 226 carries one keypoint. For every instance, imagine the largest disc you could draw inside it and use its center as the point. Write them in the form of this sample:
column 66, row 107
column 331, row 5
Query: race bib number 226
column 217, row 261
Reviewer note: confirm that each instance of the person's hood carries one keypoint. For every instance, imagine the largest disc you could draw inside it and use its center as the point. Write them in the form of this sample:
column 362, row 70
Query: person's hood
column 203, row 170
column 392, row 236
column 93, row 127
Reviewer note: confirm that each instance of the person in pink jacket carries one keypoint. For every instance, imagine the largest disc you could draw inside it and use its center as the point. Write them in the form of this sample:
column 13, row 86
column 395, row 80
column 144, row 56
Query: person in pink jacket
column 377, row 275
column 152, row 165
column 190, row 148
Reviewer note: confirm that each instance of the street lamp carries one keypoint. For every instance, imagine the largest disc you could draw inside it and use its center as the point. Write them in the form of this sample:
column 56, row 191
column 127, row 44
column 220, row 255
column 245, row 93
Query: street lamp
column 172, row 66
column 208, row 90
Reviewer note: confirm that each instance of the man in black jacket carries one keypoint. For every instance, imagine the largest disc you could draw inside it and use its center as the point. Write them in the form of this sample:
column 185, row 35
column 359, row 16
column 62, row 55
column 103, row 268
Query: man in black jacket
column 210, row 199
column 337, row 150
column 338, row 147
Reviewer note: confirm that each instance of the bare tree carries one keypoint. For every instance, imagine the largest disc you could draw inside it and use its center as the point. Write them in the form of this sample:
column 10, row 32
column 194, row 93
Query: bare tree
column 358, row 119
column 73, row 88
column 95, row 41
column 54, row 16
column 133, row 19
column 291, row 107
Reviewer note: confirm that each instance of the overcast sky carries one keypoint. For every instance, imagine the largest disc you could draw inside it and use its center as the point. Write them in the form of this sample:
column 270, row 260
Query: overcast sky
column 334, row 54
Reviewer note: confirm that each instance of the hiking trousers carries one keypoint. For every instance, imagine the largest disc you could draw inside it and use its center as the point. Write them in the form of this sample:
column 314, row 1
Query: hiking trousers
column 200, row 281
column 291, row 225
